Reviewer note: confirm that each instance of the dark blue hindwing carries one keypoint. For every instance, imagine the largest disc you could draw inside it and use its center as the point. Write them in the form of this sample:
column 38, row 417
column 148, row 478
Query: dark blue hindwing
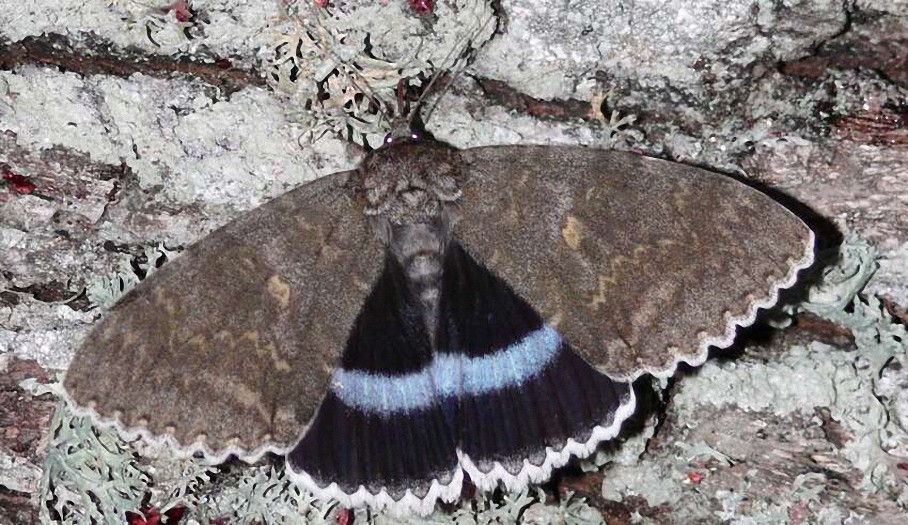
column 503, row 397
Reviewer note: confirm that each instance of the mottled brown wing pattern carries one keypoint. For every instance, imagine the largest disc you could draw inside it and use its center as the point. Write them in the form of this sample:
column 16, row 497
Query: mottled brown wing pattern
column 228, row 348
column 640, row 263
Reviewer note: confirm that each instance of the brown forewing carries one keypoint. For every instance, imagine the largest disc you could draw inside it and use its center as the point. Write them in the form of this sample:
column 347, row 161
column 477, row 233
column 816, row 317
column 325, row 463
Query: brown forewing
column 235, row 339
column 640, row 263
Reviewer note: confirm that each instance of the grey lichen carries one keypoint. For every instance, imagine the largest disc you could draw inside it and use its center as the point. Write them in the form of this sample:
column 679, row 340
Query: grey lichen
column 106, row 290
column 169, row 25
column 340, row 71
column 617, row 130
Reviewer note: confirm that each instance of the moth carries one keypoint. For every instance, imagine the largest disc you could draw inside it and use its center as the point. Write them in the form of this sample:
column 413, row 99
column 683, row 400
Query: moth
column 439, row 313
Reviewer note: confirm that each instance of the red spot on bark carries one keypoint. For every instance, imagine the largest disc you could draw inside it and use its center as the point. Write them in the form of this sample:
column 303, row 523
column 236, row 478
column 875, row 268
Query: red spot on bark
column 422, row 6
column 223, row 63
column 695, row 477
column 18, row 183
column 181, row 10
column 321, row 3
column 175, row 514
column 151, row 516
column 343, row 516
column 148, row 516
column 798, row 512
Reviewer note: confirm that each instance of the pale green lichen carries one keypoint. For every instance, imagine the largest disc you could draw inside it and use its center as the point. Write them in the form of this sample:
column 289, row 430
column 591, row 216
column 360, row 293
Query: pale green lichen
column 701, row 451
column 841, row 283
column 165, row 24
column 818, row 375
column 878, row 340
column 107, row 290
column 568, row 512
column 803, row 491
column 90, row 474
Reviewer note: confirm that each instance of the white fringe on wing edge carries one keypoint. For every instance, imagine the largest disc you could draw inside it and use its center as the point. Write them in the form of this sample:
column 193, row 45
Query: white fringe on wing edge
column 732, row 323
column 130, row 433
column 530, row 473
column 409, row 503
column 413, row 504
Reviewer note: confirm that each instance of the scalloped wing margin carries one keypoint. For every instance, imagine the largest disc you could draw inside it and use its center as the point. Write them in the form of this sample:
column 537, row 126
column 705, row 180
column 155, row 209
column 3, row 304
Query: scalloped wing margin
column 228, row 348
column 640, row 263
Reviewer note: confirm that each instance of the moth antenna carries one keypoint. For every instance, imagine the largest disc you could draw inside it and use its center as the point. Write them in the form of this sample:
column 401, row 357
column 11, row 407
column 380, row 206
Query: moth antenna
column 363, row 87
column 402, row 97
column 459, row 69
column 402, row 115
column 383, row 107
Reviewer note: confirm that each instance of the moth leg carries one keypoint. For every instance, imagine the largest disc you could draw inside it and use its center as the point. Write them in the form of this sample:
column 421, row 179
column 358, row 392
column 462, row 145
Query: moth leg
column 526, row 403
column 380, row 437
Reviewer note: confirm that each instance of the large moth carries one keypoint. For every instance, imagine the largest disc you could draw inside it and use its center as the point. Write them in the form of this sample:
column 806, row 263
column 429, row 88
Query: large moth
column 439, row 312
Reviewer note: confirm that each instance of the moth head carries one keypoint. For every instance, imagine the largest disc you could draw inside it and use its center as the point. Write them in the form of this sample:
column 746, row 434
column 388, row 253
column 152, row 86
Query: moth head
column 404, row 133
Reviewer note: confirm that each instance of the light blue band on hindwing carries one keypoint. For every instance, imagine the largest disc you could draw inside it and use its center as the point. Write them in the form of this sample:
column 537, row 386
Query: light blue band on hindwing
column 456, row 374
column 380, row 393
column 448, row 375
